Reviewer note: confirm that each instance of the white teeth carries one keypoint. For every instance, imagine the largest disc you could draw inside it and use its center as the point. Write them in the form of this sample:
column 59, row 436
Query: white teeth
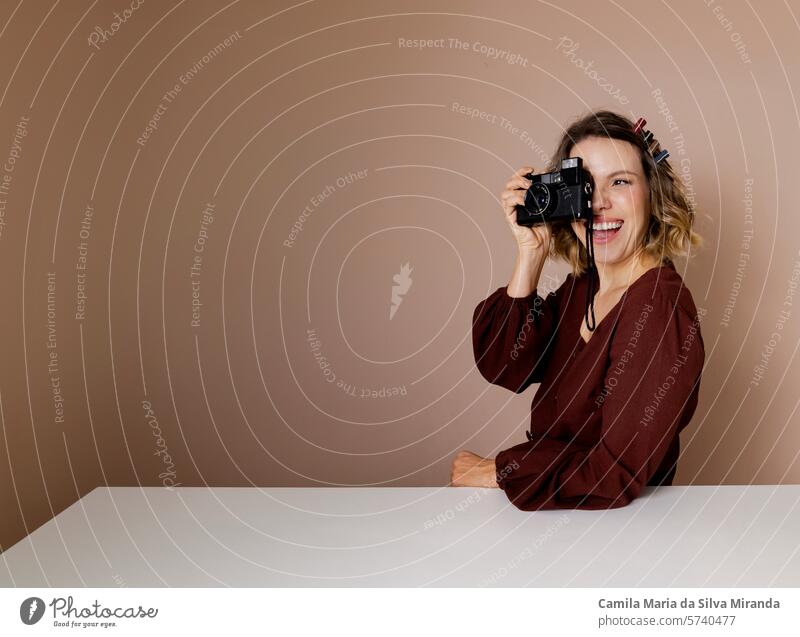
column 607, row 225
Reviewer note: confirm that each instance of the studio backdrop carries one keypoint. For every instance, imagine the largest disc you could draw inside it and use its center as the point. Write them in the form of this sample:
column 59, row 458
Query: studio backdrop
column 241, row 242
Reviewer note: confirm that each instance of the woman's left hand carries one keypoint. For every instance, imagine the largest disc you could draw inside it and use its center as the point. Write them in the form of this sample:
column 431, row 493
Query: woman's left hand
column 471, row 470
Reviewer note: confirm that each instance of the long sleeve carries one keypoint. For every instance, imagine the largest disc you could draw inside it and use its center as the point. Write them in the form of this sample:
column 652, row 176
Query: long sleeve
column 511, row 337
column 649, row 394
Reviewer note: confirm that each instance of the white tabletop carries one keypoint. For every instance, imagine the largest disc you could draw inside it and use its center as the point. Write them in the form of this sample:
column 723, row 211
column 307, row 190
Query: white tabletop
column 698, row 536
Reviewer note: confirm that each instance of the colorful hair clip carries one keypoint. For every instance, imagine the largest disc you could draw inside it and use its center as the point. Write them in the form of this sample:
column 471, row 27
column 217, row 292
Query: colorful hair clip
column 650, row 141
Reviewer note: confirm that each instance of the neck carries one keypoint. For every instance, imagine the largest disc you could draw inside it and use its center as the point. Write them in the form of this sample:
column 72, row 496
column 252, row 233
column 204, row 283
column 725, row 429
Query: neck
column 621, row 274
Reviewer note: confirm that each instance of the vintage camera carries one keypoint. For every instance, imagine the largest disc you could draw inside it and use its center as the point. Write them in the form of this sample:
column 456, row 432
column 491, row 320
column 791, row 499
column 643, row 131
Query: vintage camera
column 564, row 195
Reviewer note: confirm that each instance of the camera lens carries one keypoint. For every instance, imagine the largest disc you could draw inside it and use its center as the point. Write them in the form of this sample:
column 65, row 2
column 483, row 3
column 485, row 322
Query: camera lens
column 537, row 198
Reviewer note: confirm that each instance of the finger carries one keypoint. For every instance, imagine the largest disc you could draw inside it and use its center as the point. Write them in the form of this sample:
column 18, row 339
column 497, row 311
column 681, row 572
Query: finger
column 515, row 197
column 518, row 183
column 524, row 170
column 525, row 183
column 511, row 217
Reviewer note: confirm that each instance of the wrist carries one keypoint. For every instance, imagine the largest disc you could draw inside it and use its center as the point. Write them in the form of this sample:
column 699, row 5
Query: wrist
column 532, row 259
column 531, row 252
column 490, row 473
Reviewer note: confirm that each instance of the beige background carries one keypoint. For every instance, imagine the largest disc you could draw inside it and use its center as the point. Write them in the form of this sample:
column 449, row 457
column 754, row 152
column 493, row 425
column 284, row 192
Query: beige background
column 304, row 95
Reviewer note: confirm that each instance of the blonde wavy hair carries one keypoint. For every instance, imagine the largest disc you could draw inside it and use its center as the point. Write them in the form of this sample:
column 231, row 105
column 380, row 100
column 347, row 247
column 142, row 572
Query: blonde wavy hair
column 670, row 232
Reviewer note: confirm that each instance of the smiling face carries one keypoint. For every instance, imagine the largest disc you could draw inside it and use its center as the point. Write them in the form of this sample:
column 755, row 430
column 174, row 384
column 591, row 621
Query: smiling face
column 620, row 194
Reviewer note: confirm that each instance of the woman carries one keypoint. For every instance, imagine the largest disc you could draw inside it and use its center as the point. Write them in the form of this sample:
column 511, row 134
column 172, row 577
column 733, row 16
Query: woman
column 611, row 400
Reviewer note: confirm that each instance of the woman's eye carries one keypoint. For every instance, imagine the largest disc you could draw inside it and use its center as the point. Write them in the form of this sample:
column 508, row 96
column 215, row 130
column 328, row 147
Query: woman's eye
column 625, row 181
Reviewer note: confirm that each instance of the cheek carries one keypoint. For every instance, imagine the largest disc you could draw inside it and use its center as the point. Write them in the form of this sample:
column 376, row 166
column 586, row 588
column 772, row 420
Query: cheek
column 628, row 199
column 636, row 201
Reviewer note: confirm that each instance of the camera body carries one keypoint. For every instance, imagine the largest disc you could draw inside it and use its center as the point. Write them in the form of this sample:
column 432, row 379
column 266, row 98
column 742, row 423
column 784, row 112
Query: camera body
column 561, row 196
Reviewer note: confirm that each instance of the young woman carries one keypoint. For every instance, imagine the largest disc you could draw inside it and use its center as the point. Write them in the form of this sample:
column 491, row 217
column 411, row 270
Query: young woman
column 611, row 401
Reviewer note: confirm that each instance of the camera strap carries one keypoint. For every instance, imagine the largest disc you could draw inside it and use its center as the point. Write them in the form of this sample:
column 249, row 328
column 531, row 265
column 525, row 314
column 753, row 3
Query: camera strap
column 590, row 272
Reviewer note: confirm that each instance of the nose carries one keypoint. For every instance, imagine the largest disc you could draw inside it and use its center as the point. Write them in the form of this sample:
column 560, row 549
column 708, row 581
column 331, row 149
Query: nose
column 599, row 200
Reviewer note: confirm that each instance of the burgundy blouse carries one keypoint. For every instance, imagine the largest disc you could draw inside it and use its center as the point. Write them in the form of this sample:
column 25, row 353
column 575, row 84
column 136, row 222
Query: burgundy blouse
column 606, row 416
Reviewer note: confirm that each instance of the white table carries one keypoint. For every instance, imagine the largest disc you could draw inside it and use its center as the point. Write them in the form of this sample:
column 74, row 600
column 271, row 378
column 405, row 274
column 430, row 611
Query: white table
column 698, row 536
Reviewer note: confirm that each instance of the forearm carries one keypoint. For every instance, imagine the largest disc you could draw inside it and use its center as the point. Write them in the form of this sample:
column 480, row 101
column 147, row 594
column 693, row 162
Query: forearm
column 527, row 270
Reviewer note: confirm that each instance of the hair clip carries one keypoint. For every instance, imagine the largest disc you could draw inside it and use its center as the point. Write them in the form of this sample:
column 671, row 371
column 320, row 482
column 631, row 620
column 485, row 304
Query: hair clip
column 650, row 141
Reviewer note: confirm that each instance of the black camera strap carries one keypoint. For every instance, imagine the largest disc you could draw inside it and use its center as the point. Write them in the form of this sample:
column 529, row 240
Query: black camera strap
column 591, row 269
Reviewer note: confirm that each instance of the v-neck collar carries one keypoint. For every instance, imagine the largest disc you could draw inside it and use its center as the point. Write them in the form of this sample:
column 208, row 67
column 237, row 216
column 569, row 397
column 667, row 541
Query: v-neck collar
column 583, row 343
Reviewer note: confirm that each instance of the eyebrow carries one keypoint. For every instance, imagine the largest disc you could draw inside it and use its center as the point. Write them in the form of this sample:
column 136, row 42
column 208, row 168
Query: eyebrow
column 623, row 172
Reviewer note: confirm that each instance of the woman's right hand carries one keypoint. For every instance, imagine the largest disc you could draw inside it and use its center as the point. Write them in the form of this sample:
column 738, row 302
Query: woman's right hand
column 530, row 239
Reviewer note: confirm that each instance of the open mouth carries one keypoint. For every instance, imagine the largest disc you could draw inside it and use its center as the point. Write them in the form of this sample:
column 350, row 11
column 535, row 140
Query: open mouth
column 605, row 231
